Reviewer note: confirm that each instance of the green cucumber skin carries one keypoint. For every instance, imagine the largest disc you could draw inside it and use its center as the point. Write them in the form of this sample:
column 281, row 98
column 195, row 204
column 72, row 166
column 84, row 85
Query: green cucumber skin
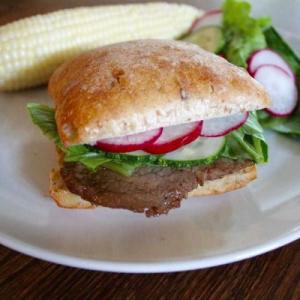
column 188, row 163
column 132, row 158
column 219, row 40
column 158, row 160
column 192, row 163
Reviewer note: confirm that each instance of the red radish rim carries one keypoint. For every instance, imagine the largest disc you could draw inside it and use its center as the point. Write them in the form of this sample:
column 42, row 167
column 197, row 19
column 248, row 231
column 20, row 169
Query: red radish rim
column 267, row 110
column 282, row 115
column 203, row 17
column 117, row 148
column 178, row 142
column 288, row 75
column 230, row 129
column 273, row 66
column 250, row 58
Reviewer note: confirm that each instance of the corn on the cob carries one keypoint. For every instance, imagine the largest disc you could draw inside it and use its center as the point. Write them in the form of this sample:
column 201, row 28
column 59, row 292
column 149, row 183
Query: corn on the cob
column 31, row 48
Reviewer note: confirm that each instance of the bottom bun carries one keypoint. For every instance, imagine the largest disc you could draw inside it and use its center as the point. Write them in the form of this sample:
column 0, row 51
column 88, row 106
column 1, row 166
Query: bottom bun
column 64, row 198
column 226, row 184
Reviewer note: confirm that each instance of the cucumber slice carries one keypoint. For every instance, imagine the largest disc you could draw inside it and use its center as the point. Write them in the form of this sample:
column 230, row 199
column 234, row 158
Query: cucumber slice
column 135, row 156
column 209, row 38
column 201, row 151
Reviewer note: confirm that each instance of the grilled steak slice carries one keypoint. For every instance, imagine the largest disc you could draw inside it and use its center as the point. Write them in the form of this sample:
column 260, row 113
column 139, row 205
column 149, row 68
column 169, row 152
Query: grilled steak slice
column 152, row 189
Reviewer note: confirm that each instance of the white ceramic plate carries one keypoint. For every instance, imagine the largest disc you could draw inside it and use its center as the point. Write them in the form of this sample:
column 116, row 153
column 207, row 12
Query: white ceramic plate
column 204, row 232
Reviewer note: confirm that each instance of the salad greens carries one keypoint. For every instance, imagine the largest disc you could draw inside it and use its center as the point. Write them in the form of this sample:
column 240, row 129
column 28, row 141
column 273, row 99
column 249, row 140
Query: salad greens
column 287, row 125
column 44, row 117
column 245, row 34
column 245, row 143
column 276, row 42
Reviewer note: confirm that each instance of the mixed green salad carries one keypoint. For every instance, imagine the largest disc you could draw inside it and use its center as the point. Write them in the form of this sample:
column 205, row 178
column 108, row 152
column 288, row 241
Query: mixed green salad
column 246, row 41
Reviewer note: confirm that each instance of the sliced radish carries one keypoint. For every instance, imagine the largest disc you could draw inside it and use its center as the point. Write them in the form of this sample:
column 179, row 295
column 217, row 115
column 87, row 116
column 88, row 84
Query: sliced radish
column 211, row 17
column 281, row 88
column 222, row 126
column 174, row 137
column 129, row 143
column 267, row 57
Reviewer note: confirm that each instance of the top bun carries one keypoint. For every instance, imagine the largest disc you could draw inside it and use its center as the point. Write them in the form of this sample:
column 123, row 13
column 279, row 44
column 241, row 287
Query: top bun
column 136, row 86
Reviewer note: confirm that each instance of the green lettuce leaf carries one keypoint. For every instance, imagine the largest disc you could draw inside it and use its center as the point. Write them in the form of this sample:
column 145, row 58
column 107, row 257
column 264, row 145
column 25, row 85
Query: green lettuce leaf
column 44, row 117
column 243, row 33
column 247, row 142
column 288, row 125
column 93, row 158
column 82, row 154
column 124, row 168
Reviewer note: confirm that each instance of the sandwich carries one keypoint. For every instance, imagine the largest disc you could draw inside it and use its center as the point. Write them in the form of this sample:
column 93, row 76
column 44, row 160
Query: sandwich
column 142, row 125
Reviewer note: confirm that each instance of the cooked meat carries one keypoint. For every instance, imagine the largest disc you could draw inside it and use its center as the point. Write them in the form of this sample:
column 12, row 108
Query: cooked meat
column 153, row 190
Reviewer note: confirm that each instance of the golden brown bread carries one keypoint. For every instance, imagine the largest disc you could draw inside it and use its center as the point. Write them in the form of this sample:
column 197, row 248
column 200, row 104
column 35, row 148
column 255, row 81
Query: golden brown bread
column 64, row 198
column 136, row 86
column 227, row 183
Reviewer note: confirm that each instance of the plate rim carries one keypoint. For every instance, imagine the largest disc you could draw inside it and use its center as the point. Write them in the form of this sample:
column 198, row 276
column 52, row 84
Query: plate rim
column 174, row 265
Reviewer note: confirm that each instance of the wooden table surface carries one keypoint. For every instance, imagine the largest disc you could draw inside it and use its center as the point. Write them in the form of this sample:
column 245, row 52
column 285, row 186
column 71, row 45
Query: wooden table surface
column 275, row 275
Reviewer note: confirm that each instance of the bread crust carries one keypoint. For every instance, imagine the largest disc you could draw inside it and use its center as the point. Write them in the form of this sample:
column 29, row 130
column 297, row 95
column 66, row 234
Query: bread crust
column 64, row 198
column 136, row 86
column 227, row 183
